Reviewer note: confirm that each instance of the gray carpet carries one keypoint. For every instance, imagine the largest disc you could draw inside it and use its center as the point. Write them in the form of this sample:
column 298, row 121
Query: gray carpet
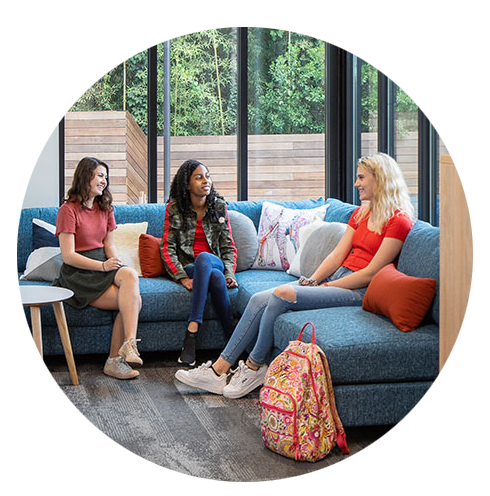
column 182, row 428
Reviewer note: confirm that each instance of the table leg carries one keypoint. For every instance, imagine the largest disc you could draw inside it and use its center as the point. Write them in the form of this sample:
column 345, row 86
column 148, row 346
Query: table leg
column 38, row 353
column 59, row 313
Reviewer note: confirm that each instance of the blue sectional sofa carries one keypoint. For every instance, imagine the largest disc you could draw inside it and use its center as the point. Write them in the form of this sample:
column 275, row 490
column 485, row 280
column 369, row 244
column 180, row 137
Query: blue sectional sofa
column 379, row 372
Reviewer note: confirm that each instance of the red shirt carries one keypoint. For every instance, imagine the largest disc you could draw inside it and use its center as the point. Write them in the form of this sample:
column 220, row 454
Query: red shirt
column 200, row 242
column 365, row 243
column 89, row 225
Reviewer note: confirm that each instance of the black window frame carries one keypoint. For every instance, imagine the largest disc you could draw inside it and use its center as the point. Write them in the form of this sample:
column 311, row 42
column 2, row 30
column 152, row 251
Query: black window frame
column 342, row 128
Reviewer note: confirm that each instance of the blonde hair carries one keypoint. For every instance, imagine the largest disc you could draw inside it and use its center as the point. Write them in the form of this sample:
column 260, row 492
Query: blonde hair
column 390, row 191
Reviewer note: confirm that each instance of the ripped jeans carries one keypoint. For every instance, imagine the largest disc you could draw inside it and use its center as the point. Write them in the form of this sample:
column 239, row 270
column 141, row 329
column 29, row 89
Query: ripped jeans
column 263, row 309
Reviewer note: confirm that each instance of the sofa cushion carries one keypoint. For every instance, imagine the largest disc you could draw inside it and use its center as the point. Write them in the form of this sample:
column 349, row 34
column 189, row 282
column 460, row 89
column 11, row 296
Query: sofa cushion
column 319, row 245
column 165, row 300
column 24, row 238
column 150, row 258
column 245, row 237
column 126, row 241
column 420, row 258
column 339, row 211
column 253, row 208
column 279, row 234
column 253, row 281
column 403, row 299
column 153, row 213
column 362, row 347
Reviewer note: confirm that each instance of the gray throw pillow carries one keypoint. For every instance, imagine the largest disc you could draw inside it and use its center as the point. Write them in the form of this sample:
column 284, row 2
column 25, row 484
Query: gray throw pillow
column 319, row 244
column 245, row 237
column 43, row 264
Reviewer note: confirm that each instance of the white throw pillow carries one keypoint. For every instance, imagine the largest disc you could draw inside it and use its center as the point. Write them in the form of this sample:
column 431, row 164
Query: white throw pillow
column 304, row 234
column 43, row 264
column 279, row 234
column 126, row 239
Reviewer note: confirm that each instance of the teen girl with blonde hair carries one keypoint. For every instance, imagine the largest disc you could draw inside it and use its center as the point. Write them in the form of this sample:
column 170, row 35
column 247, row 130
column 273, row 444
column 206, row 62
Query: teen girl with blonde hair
column 374, row 238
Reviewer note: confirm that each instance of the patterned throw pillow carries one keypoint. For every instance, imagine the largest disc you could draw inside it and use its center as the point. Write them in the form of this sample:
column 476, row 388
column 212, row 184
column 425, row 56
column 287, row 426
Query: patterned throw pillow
column 279, row 234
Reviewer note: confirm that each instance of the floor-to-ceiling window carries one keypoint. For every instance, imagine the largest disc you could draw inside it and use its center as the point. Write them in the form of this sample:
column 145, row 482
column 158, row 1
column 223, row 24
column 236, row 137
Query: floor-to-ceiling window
column 406, row 141
column 369, row 108
column 203, row 106
column 290, row 119
column 286, row 115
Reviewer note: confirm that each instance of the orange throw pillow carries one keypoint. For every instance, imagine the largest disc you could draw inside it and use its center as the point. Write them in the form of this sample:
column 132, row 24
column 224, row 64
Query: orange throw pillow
column 150, row 258
column 403, row 299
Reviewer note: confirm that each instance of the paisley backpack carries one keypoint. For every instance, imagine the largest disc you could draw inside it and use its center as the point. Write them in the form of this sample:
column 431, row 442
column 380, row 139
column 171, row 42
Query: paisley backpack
column 298, row 417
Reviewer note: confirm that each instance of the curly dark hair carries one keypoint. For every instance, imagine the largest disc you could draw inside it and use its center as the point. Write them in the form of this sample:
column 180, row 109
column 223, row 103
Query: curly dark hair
column 80, row 187
column 179, row 192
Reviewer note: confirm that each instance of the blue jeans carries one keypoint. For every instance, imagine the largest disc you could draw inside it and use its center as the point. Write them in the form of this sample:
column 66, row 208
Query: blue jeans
column 263, row 309
column 207, row 276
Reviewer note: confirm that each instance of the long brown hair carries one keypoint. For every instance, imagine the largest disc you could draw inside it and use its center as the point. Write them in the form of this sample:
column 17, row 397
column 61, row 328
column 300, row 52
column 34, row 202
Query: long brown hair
column 80, row 187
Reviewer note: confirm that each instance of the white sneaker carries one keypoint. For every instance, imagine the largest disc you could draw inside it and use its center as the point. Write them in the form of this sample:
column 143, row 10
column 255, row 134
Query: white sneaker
column 244, row 380
column 203, row 377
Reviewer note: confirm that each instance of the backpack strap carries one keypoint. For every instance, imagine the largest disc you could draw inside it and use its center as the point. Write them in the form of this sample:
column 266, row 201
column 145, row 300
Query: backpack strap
column 313, row 339
column 341, row 438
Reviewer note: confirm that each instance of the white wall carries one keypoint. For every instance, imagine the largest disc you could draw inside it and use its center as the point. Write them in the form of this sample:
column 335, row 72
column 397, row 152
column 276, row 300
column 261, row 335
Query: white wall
column 37, row 117
column 465, row 91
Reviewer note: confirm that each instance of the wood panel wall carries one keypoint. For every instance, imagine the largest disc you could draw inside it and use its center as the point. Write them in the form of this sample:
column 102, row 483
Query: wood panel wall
column 456, row 320
column 280, row 166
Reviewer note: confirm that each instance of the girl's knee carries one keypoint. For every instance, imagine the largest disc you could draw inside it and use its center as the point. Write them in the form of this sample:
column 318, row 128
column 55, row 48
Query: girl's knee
column 128, row 274
column 286, row 292
column 203, row 258
column 217, row 278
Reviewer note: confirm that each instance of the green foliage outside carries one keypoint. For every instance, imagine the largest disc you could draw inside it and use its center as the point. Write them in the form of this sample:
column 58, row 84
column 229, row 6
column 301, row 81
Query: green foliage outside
column 286, row 85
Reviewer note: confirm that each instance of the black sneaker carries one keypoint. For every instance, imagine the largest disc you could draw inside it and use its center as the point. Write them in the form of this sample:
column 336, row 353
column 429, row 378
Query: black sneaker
column 188, row 354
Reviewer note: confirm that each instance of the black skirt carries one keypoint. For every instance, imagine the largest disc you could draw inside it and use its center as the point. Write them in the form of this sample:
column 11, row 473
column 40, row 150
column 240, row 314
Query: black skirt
column 87, row 285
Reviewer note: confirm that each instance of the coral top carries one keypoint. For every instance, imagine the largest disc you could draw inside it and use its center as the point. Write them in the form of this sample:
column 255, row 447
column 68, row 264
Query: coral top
column 365, row 243
column 89, row 225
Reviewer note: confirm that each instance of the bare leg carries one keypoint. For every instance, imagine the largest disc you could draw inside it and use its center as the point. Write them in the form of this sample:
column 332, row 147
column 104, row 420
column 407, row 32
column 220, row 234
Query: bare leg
column 221, row 366
column 124, row 296
column 117, row 338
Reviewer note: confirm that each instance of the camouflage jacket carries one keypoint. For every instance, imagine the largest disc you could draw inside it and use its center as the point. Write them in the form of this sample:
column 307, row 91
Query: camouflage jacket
column 177, row 245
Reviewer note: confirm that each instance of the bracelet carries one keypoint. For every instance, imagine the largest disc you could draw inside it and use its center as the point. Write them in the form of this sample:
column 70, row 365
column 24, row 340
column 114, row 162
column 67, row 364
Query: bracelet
column 103, row 267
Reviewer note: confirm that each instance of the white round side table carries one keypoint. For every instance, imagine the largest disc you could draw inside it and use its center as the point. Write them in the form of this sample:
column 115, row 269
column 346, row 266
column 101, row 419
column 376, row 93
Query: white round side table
column 37, row 296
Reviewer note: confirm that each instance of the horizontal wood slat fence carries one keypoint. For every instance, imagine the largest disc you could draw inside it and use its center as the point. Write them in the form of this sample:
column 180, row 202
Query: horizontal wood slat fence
column 280, row 166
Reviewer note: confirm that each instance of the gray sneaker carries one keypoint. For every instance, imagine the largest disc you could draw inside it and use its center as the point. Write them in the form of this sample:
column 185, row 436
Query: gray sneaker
column 244, row 380
column 203, row 377
column 118, row 368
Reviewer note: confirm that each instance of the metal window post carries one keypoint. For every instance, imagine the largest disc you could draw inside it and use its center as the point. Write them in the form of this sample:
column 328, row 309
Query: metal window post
column 242, row 114
column 428, row 165
column 152, row 124
column 386, row 115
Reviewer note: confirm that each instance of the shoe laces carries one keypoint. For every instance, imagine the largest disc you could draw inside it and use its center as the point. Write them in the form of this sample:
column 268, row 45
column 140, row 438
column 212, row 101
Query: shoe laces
column 132, row 342
column 205, row 365
column 238, row 371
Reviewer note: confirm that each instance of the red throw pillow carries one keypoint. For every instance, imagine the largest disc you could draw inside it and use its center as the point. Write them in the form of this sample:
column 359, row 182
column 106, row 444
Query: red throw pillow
column 403, row 299
column 150, row 258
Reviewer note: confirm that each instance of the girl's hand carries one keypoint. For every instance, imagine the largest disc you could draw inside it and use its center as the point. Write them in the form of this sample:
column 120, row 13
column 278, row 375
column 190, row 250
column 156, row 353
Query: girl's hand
column 187, row 283
column 231, row 283
column 307, row 281
column 112, row 263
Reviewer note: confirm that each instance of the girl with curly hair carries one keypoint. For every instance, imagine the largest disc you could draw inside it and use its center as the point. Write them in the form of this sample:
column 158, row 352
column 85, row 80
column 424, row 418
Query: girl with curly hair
column 374, row 238
column 91, row 268
column 198, row 250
